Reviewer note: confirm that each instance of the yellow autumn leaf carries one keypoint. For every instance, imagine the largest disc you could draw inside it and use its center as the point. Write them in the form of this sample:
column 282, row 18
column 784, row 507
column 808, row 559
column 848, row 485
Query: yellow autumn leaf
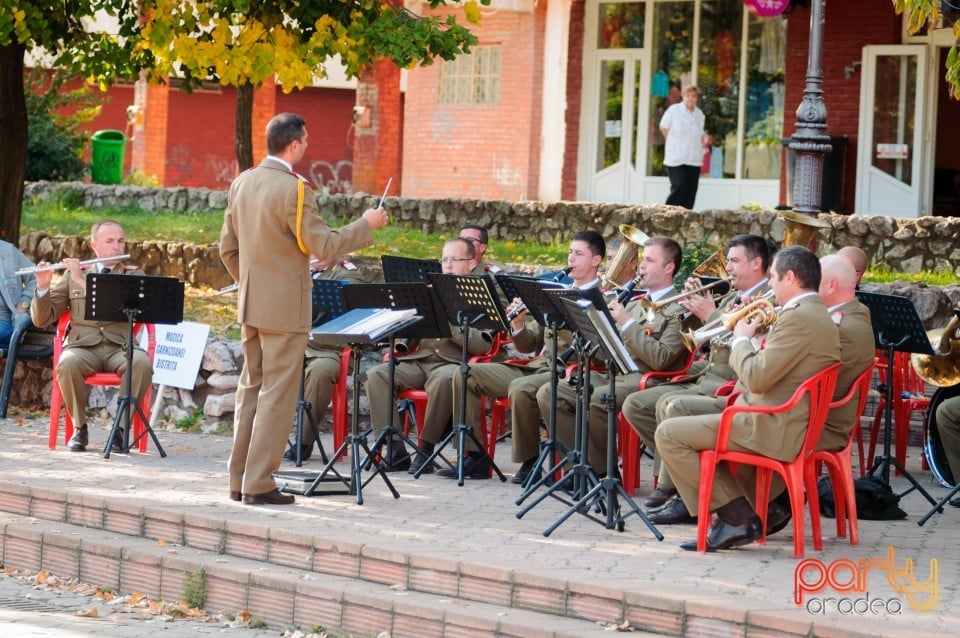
column 472, row 11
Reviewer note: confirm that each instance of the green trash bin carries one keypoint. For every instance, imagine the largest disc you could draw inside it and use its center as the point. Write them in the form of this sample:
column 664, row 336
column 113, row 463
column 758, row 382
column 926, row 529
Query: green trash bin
column 106, row 166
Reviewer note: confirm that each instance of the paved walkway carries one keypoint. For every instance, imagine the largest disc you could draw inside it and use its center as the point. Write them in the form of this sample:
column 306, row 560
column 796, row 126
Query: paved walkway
column 436, row 520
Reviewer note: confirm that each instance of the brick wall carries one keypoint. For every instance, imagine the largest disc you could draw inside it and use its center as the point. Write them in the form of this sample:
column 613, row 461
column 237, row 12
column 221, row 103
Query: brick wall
column 574, row 98
column 480, row 150
column 848, row 27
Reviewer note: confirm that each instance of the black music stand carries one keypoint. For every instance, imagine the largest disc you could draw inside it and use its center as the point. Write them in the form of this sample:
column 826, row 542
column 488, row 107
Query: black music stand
column 431, row 325
column 470, row 302
column 896, row 328
column 408, row 269
column 544, row 310
column 327, row 304
column 341, row 331
column 132, row 298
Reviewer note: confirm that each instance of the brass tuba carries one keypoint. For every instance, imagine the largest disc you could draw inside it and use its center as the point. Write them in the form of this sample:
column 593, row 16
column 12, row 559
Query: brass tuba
column 942, row 368
column 802, row 230
column 631, row 240
column 713, row 266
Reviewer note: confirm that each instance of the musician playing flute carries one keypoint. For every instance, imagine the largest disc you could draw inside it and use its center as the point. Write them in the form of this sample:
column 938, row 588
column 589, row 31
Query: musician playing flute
column 90, row 346
column 748, row 258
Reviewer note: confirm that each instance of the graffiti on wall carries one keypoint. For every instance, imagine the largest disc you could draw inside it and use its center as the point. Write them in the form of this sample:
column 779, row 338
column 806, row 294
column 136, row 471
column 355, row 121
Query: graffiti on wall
column 335, row 179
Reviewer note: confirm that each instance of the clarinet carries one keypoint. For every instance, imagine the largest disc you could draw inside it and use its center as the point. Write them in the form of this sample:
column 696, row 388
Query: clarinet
column 556, row 279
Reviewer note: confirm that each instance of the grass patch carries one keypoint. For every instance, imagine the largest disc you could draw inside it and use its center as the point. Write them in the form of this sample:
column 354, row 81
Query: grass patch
column 195, row 588
column 928, row 277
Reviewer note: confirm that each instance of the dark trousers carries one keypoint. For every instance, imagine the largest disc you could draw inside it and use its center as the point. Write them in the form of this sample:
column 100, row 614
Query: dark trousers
column 683, row 185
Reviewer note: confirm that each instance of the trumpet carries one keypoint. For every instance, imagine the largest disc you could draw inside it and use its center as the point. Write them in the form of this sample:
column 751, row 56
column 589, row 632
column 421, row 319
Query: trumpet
column 653, row 306
column 761, row 309
column 60, row 266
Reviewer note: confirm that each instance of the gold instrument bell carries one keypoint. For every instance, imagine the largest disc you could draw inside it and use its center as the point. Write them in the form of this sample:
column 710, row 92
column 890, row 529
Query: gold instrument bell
column 632, row 239
column 941, row 369
column 713, row 266
column 802, row 230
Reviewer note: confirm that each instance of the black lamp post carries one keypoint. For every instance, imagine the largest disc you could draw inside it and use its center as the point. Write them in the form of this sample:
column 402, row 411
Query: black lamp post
column 810, row 142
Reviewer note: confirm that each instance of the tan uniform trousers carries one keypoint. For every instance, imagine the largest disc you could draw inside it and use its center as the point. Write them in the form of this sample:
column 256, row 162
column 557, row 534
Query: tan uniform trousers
column 320, row 375
column 77, row 363
column 680, row 441
column 266, row 403
column 517, row 383
column 432, row 374
column 598, row 423
column 948, row 423
column 640, row 411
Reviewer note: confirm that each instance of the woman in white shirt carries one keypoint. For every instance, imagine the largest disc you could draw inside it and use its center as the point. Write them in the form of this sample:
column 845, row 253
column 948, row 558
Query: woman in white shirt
column 682, row 128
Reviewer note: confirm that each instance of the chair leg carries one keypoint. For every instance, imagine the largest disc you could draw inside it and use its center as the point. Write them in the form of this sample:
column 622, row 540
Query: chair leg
column 55, row 401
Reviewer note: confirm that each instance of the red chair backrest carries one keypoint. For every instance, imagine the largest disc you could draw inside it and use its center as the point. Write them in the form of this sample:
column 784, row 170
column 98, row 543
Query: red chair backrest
column 64, row 322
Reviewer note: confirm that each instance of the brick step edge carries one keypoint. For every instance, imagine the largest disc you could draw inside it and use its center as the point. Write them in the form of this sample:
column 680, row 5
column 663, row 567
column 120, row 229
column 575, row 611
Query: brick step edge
column 463, row 581
column 279, row 595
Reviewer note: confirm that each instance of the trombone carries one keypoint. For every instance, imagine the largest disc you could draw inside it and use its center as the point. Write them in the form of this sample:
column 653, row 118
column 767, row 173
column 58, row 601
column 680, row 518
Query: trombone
column 653, row 306
column 761, row 308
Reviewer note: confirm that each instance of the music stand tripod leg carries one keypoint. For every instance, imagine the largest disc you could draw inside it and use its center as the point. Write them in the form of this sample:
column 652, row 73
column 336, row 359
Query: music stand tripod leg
column 125, row 402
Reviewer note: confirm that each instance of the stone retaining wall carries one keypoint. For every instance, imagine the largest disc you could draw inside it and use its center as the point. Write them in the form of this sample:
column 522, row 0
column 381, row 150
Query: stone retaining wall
column 907, row 245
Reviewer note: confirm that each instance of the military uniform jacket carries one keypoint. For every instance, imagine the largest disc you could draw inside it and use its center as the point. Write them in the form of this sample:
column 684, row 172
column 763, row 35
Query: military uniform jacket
column 534, row 338
column 67, row 295
column 857, row 351
column 655, row 345
column 802, row 342
column 272, row 272
column 451, row 349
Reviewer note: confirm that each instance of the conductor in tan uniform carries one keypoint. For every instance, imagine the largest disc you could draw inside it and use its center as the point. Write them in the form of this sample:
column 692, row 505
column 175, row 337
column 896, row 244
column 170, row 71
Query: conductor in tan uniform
column 90, row 346
column 265, row 245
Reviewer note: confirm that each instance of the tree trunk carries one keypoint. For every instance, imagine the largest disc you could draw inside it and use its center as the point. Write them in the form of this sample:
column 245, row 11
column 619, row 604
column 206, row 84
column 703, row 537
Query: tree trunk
column 13, row 132
column 244, row 132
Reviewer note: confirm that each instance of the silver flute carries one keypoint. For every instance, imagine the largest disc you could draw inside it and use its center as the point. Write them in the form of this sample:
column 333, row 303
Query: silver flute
column 60, row 265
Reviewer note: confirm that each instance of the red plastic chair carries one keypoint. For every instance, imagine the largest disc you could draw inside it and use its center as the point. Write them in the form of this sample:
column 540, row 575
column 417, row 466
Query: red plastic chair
column 908, row 393
column 840, row 463
column 97, row 378
column 796, row 473
column 338, row 400
column 630, row 445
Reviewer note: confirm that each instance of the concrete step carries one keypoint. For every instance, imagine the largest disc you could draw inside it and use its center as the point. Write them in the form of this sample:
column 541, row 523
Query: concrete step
column 279, row 595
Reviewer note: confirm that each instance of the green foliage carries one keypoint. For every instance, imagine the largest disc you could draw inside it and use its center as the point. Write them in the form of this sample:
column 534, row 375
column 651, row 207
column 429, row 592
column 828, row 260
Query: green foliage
column 928, row 14
column 195, row 588
column 55, row 135
column 928, row 277
column 693, row 255
column 139, row 178
column 191, row 421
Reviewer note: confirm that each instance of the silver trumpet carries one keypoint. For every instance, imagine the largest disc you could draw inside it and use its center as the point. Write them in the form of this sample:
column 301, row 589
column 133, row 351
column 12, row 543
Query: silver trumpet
column 60, row 266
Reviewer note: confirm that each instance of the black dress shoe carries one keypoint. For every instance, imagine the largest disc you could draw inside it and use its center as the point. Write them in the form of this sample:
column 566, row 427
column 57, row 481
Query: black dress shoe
column 235, row 496
column 78, row 442
column 658, row 497
column 420, row 462
column 397, row 459
column 305, row 451
column 473, row 468
column 778, row 515
column 723, row 535
column 955, row 501
column 116, row 445
column 673, row 513
column 273, row 497
column 520, row 478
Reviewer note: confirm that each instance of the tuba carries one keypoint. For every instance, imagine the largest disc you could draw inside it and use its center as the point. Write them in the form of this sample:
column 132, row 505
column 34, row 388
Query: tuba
column 632, row 240
column 802, row 230
column 713, row 266
column 942, row 368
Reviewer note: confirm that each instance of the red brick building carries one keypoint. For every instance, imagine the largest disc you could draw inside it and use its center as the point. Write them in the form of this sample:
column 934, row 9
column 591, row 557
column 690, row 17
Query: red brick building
column 562, row 99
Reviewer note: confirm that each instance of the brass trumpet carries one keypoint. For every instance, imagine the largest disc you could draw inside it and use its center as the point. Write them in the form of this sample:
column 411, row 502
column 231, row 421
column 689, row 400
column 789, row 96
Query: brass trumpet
column 653, row 306
column 761, row 309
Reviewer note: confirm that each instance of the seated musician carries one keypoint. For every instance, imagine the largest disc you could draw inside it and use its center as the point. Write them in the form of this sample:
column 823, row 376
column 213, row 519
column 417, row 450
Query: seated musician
column 802, row 341
column 748, row 259
column 654, row 343
column 18, row 291
column 948, row 424
column 430, row 367
column 477, row 235
column 520, row 381
column 322, row 362
column 858, row 258
column 90, row 346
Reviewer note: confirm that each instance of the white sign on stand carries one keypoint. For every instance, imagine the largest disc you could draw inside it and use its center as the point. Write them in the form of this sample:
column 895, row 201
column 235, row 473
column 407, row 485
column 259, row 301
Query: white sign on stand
column 179, row 352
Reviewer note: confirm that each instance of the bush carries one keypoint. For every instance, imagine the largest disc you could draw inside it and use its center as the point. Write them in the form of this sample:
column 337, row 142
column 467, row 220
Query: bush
column 55, row 119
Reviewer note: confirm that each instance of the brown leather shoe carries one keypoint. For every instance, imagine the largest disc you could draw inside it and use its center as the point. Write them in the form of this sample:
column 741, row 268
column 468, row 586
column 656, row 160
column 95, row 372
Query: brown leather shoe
column 658, row 497
column 273, row 497
column 79, row 441
column 235, row 496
